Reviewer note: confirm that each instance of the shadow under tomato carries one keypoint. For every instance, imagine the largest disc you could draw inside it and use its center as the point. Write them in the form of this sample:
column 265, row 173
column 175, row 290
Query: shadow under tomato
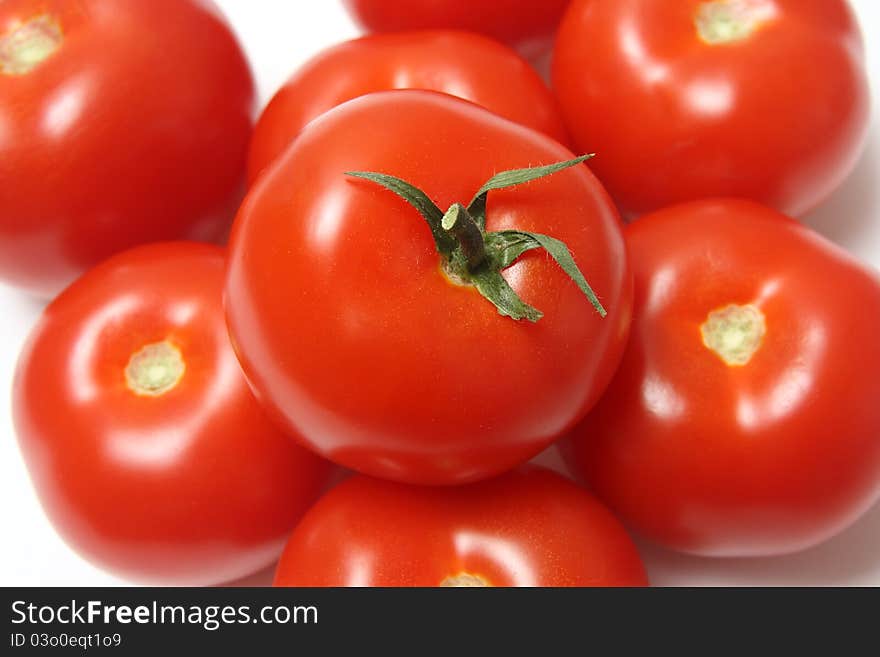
column 267, row 575
column 850, row 216
column 260, row 579
column 849, row 559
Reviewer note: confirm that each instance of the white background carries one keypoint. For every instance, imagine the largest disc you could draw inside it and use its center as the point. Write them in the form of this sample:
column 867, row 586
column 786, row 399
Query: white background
column 280, row 34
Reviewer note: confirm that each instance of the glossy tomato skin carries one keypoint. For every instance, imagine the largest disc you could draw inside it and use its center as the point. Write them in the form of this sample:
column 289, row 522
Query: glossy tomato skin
column 462, row 64
column 347, row 328
column 530, row 527
column 192, row 487
column 763, row 458
column 778, row 117
column 527, row 24
column 135, row 129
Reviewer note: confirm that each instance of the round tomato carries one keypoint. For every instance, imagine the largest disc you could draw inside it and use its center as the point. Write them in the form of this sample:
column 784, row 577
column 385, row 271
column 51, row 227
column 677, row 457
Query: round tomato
column 530, row 527
column 458, row 63
column 528, row 24
column 744, row 418
column 383, row 353
column 145, row 445
column 758, row 99
column 121, row 122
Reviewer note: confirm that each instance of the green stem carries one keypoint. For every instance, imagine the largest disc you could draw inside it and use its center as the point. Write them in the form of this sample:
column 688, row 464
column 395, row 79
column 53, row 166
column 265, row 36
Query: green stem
column 459, row 223
column 473, row 256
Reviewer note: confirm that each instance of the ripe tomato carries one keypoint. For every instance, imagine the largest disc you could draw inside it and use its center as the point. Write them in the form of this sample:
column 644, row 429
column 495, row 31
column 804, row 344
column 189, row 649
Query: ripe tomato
column 144, row 443
column 744, row 418
column 348, row 327
column 530, row 527
column 121, row 122
column 528, row 24
column 458, row 63
column 759, row 99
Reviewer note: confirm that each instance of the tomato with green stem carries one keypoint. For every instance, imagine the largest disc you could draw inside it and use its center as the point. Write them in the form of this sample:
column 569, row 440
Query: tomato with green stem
column 462, row 64
column 744, row 419
column 390, row 345
column 530, row 527
column 144, row 443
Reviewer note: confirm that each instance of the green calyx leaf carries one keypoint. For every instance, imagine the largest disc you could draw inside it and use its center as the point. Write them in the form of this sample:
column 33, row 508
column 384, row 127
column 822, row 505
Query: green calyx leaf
column 492, row 286
column 476, row 257
column 416, row 198
column 506, row 246
column 512, row 178
column 521, row 241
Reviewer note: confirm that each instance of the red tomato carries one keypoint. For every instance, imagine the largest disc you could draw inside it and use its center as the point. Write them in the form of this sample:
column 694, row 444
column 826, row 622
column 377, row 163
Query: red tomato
column 458, row 63
column 759, row 99
column 144, row 443
column 531, row 527
column 121, row 122
column 528, row 24
column 347, row 326
column 744, row 418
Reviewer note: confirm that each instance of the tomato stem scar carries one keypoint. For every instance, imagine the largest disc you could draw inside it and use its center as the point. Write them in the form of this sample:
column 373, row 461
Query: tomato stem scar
column 464, row 580
column 29, row 44
column 155, row 369
column 734, row 333
column 728, row 21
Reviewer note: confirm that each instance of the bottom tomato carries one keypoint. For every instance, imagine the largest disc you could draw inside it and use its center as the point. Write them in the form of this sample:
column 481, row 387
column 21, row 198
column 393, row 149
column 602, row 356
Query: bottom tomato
column 143, row 441
column 531, row 527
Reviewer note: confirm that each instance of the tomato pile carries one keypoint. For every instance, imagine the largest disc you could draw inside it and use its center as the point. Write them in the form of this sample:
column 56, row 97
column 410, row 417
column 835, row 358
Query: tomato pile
column 428, row 281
